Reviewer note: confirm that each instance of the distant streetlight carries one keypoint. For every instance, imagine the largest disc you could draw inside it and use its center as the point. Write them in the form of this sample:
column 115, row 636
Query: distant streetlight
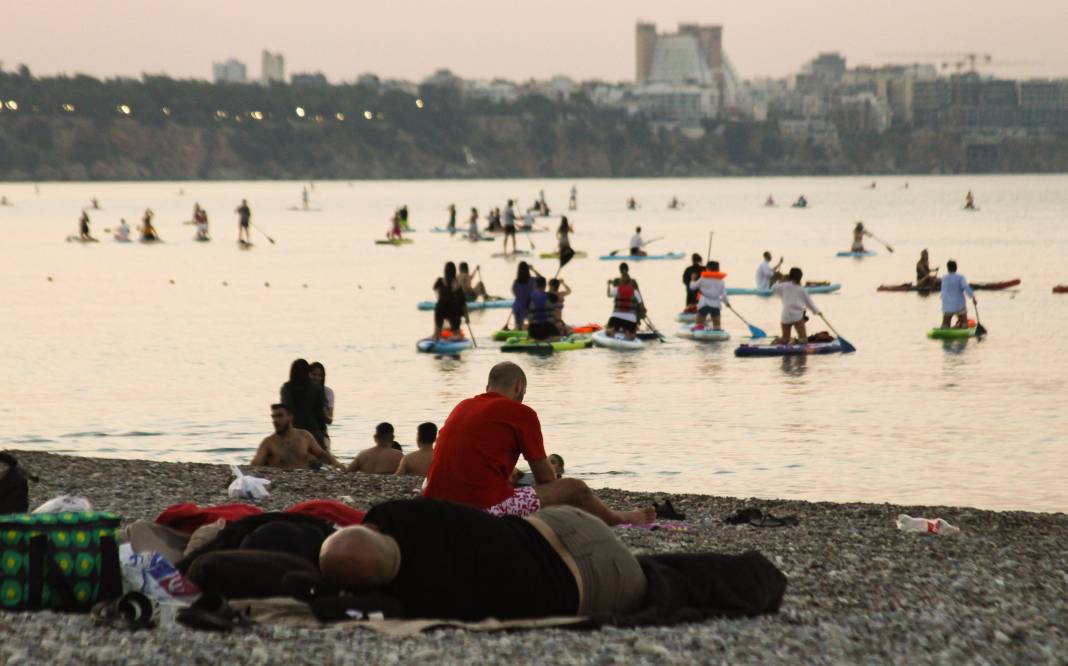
column 166, row 110
column 419, row 104
column 13, row 105
column 368, row 115
column 257, row 115
column 124, row 109
column 340, row 117
column 69, row 108
column 221, row 114
column 300, row 111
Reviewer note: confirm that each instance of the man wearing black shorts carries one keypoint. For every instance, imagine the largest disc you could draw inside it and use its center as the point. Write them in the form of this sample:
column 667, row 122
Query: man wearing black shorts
column 627, row 305
column 509, row 226
column 244, row 217
column 542, row 313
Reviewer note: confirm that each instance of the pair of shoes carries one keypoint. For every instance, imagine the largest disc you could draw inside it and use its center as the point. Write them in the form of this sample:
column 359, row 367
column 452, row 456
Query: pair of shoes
column 131, row 611
column 211, row 613
column 667, row 512
column 757, row 518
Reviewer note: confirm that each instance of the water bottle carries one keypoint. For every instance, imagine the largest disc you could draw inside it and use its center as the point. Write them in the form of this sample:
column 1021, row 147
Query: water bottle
column 907, row 523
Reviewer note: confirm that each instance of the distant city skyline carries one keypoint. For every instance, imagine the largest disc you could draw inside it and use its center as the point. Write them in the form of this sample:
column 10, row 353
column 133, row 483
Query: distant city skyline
column 410, row 39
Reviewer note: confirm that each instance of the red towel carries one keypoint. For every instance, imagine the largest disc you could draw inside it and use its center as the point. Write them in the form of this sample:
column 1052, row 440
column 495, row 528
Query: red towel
column 337, row 513
column 187, row 517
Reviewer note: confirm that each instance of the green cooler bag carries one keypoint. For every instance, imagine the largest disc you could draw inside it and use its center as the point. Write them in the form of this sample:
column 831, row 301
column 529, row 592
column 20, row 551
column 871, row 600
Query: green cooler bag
column 58, row 561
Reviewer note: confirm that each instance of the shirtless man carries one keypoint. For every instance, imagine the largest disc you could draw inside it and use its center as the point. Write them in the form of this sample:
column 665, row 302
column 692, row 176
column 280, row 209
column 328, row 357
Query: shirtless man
column 417, row 463
column 381, row 458
column 289, row 447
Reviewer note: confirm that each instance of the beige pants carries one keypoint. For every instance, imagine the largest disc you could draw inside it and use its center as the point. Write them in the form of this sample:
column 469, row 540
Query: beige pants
column 612, row 579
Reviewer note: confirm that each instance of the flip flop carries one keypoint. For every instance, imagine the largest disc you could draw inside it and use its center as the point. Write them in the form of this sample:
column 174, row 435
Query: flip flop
column 667, row 512
column 131, row 611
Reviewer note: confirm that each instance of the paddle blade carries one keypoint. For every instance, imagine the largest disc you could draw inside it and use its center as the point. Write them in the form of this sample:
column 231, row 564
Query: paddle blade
column 567, row 255
column 980, row 330
column 846, row 347
column 756, row 333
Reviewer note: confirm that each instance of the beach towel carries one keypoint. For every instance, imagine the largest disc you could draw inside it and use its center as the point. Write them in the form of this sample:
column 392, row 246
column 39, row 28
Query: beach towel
column 187, row 517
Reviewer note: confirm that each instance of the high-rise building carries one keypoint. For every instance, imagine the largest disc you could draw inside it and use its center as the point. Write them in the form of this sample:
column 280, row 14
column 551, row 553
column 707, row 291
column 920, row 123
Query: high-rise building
column 273, row 68
column 644, row 46
column 231, row 71
column 692, row 56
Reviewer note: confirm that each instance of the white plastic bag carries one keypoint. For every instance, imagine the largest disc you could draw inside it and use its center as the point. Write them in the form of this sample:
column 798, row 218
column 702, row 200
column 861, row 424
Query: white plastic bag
column 65, row 504
column 154, row 576
column 247, row 487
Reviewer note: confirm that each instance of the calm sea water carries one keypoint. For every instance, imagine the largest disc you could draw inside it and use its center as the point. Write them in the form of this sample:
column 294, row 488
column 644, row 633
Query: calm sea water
column 174, row 351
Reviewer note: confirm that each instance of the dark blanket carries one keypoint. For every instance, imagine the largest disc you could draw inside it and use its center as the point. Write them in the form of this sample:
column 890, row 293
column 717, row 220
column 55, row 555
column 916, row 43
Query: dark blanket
column 310, row 531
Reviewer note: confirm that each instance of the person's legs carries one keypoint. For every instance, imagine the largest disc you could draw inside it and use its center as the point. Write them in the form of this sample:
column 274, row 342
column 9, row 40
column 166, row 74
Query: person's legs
column 947, row 318
column 631, row 329
column 573, row 492
column 439, row 321
column 716, row 318
column 244, row 574
column 802, row 336
column 962, row 318
column 784, row 337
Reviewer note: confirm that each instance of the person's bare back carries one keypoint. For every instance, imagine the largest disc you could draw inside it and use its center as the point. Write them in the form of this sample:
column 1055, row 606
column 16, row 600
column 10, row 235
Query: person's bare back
column 416, row 463
column 377, row 460
column 293, row 450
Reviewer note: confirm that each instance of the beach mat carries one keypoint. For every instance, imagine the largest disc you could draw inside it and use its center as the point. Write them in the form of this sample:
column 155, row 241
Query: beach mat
column 290, row 612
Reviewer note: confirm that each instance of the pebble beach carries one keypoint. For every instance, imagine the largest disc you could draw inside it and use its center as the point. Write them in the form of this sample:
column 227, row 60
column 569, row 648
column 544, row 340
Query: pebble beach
column 860, row 591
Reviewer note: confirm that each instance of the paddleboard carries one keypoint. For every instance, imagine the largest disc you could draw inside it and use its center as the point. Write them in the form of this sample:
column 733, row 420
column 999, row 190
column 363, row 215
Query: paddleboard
column 1061, row 289
column 122, row 240
column 472, row 305
column 443, row 347
column 402, row 241
column 505, row 334
column 79, row 239
column 703, row 334
column 556, row 255
column 510, row 255
column 865, row 253
column 977, row 286
column 789, row 350
column 245, row 245
column 951, row 333
column 753, row 291
column 617, row 341
column 201, row 240
column 569, row 343
column 648, row 257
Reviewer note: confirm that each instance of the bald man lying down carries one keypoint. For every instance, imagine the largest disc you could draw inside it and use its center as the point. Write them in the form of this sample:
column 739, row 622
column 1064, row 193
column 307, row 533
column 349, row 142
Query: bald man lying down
column 444, row 560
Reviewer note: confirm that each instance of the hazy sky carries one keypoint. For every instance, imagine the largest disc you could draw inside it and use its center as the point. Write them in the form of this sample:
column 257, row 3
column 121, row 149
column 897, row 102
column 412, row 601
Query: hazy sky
column 516, row 40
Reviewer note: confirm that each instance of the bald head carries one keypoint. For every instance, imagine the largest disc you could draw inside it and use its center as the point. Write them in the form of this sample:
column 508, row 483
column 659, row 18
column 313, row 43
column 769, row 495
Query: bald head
column 509, row 380
column 358, row 557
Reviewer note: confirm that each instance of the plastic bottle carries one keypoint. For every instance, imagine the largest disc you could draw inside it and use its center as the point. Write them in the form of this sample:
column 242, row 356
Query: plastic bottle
column 907, row 523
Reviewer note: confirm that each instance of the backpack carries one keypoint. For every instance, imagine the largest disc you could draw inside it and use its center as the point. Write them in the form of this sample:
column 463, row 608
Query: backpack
column 14, row 487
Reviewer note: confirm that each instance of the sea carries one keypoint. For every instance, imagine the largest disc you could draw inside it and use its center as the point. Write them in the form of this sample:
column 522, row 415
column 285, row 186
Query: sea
column 175, row 351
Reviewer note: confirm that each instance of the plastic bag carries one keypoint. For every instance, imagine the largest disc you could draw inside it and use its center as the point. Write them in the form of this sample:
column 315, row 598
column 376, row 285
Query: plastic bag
column 65, row 504
column 154, row 576
column 247, row 487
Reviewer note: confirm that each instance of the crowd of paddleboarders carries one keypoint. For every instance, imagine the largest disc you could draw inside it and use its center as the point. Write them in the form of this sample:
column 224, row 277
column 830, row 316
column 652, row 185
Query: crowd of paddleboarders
column 149, row 234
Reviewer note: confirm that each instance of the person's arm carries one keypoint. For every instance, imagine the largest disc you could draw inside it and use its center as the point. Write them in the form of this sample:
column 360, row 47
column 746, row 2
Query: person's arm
column 608, row 290
column 402, row 467
column 565, row 290
column 694, row 284
column 263, row 454
column 542, row 470
column 534, row 270
column 320, row 453
column 808, row 302
column 778, row 265
column 354, row 466
column 968, row 288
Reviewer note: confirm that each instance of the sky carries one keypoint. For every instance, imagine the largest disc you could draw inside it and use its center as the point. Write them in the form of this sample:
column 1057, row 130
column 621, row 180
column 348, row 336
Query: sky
column 582, row 39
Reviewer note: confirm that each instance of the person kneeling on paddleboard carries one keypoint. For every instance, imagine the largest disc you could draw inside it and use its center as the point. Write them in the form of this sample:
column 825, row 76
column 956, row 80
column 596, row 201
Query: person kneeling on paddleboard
column 794, row 301
column 542, row 326
column 558, row 291
column 713, row 291
column 859, row 232
column 451, row 305
column 636, row 244
column 954, row 287
column 766, row 275
column 628, row 308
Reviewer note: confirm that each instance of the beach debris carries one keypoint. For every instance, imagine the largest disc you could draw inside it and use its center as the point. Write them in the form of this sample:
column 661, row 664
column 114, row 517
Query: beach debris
column 247, row 487
column 65, row 504
column 907, row 523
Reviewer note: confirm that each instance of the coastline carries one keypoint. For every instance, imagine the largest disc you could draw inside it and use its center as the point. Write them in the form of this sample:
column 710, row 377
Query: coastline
column 859, row 589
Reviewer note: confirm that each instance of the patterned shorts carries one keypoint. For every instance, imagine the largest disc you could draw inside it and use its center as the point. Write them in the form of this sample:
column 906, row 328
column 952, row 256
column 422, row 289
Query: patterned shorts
column 523, row 503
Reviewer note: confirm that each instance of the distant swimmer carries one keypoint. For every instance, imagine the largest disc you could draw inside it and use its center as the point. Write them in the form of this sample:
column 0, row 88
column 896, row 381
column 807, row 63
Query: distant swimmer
column 713, row 290
column 969, row 201
column 148, row 232
column 289, row 447
column 452, row 219
column 859, row 232
column 873, row 185
column 304, row 198
column 801, row 202
column 767, row 275
column 83, row 228
column 794, row 302
column 926, row 278
column 94, row 204
column 382, row 458
column 627, row 306
column 954, row 287
column 122, row 232
column 636, row 244
column 4, row 201
column 572, row 200
column 244, row 215
column 632, row 203
column 675, row 204
column 769, row 202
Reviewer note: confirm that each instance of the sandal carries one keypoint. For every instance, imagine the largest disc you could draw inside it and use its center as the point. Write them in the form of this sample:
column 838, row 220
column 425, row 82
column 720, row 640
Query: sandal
column 131, row 611
column 212, row 613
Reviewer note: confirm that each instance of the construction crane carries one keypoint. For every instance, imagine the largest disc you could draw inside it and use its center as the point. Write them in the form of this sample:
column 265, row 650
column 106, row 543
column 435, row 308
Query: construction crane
column 962, row 62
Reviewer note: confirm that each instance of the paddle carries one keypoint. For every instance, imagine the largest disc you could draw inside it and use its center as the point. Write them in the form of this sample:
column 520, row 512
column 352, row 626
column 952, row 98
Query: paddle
column 264, row 233
column 652, row 326
column 474, row 340
column 755, row 332
column 885, row 244
column 526, row 232
column 708, row 255
column 565, row 257
column 846, row 347
column 651, row 240
column 980, row 330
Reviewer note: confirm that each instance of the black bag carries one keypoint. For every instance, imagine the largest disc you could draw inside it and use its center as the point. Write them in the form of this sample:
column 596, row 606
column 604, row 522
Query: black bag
column 14, row 487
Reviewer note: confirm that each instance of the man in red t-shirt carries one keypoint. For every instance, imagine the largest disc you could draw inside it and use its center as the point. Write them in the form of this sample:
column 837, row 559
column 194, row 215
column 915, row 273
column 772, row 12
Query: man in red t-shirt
column 480, row 444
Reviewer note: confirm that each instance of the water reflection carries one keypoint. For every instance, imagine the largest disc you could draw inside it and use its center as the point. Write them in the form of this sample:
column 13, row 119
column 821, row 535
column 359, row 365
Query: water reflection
column 794, row 366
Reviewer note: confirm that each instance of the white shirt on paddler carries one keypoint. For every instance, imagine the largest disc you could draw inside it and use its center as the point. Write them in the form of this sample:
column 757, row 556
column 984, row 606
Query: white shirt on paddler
column 712, row 290
column 794, row 301
column 636, row 241
column 764, row 274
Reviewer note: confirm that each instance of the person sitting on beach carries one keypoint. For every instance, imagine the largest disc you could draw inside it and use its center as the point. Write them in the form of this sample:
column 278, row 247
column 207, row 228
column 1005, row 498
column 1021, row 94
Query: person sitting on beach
column 289, row 447
column 436, row 559
column 478, row 448
column 417, row 463
column 382, row 458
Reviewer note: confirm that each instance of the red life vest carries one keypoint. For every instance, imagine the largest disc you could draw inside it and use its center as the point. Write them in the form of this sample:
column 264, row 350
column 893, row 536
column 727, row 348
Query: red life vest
column 625, row 298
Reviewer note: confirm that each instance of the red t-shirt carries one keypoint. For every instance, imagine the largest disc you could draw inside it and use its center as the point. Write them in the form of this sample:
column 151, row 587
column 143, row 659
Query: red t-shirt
column 478, row 447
